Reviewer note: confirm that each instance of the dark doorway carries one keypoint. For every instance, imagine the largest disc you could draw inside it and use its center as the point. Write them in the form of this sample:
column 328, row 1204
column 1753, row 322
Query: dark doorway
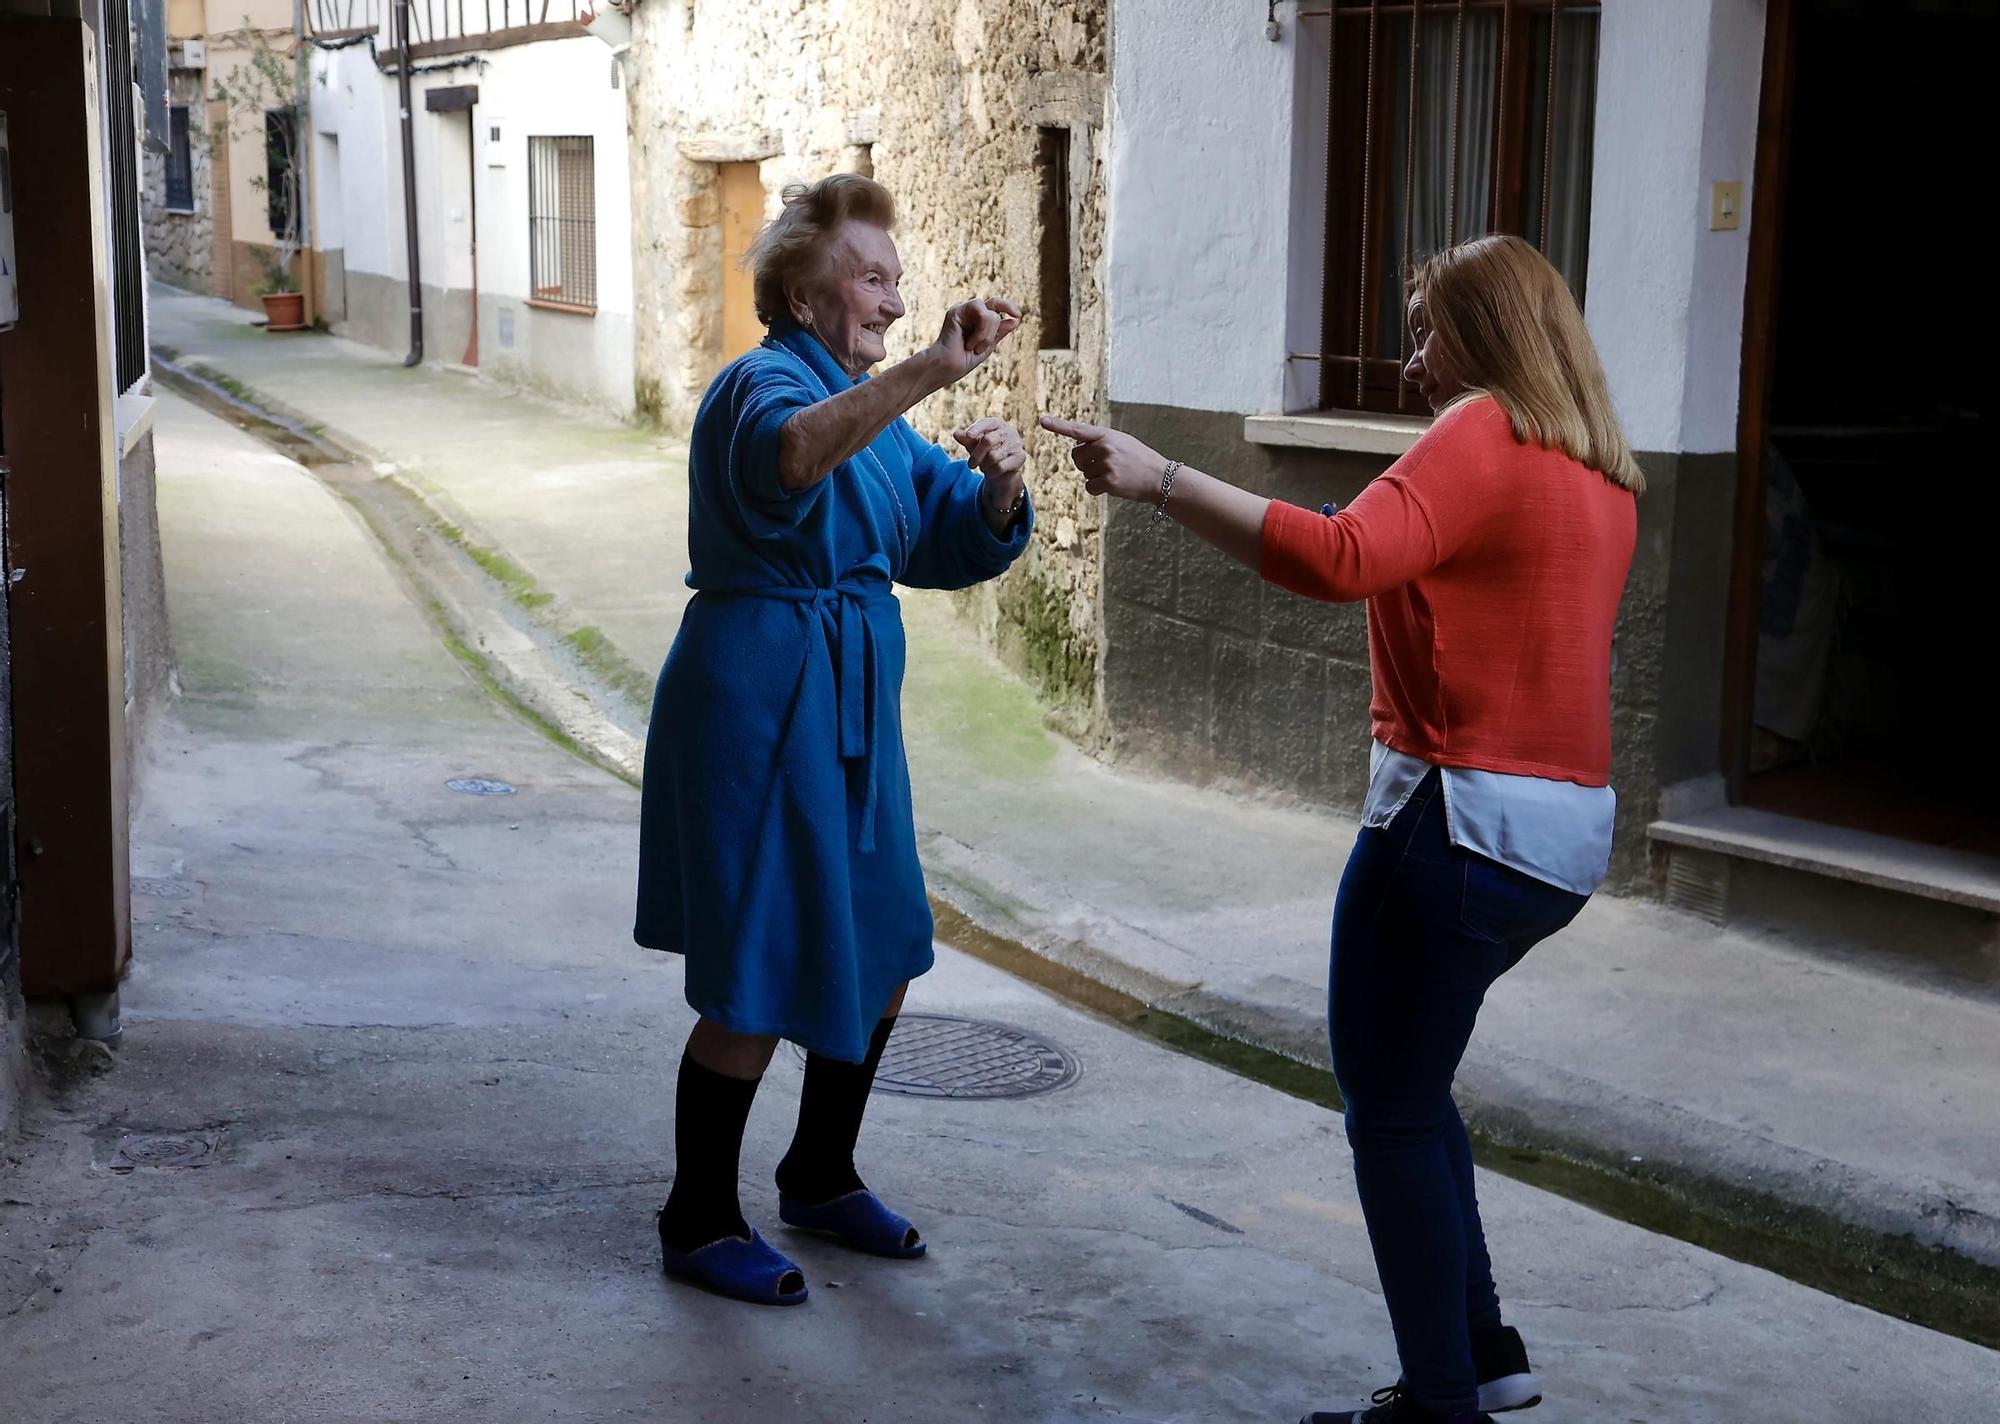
column 1870, row 429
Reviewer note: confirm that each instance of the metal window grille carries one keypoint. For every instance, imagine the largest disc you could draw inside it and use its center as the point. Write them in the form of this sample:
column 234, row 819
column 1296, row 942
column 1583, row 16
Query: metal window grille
column 128, row 273
column 562, row 221
column 180, row 161
column 1446, row 120
column 442, row 26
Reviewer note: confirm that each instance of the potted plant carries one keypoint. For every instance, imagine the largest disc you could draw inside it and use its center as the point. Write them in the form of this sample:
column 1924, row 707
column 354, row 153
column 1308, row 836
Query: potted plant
column 266, row 96
column 284, row 303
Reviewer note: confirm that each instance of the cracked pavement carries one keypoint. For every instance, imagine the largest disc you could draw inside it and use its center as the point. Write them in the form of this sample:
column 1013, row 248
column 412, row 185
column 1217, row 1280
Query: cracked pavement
column 439, row 1080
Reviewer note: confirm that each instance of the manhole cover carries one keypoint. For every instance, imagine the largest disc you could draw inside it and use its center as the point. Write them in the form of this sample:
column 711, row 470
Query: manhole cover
column 935, row 1056
column 166, row 1149
column 480, row 786
column 163, row 889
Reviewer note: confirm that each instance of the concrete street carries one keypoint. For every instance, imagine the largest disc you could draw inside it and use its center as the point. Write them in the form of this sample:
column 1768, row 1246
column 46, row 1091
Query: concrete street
column 417, row 1087
column 1727, row 1064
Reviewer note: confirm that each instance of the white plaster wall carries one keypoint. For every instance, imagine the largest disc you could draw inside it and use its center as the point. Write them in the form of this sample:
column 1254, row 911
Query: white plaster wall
column 1645, row 204
column 1215, row 190
column 1200, row 178
column 1722, row 259
column 354, row 102
column 1677, row 94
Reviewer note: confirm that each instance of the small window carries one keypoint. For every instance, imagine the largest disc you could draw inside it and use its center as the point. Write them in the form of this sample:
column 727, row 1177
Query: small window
column 562, row 222
column 1054, row 297
column 1447, row 122
column 279, row 132
column 180, row 161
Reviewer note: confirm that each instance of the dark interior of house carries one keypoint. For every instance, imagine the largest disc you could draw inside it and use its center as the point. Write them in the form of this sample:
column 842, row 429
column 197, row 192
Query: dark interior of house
column 1873, row 690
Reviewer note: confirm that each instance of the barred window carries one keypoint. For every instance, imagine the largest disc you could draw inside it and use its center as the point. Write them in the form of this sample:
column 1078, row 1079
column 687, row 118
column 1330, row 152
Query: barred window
column 180, row 161
column 562, row 222
column 1447, row 119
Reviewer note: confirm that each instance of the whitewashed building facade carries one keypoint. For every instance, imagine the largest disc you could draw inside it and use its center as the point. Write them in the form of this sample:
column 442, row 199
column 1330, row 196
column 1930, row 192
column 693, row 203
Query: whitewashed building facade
column 522, row 192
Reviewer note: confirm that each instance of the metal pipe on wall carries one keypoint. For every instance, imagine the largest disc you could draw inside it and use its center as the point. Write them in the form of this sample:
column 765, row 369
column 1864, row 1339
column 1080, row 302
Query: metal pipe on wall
column 409, row 182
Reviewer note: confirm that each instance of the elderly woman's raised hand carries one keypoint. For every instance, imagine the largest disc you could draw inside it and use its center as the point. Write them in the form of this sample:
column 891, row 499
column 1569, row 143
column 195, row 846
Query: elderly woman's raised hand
column 971, row 332
column 992, row 447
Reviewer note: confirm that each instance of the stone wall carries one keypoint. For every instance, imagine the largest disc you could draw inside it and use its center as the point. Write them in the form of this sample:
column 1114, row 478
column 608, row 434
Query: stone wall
column 943, row 104
column 180, row 245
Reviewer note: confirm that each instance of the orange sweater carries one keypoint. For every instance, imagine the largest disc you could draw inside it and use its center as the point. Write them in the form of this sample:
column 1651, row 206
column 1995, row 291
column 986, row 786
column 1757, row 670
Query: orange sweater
column 1492, row 572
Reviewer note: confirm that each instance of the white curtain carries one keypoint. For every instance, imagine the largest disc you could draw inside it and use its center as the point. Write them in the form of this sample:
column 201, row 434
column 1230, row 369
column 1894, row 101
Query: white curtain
column 1447, row 129
column 1568, row 151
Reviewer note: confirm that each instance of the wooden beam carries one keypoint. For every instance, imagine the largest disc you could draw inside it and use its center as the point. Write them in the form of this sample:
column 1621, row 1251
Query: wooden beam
column 495, row 39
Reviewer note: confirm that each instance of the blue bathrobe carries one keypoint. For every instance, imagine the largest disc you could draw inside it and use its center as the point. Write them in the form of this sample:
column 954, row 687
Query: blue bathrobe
column 777, row 850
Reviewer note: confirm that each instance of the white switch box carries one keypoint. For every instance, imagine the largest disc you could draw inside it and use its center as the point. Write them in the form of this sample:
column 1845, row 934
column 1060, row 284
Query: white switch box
column 1725, row 207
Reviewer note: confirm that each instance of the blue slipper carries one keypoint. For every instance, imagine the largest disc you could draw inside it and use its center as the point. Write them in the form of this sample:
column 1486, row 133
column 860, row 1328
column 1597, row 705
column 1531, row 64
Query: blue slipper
column 742, row 1270
column 859, row 1220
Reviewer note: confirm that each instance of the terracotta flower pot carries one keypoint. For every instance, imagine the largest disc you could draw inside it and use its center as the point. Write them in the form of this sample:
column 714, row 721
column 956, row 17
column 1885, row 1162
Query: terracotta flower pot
column 284, row 311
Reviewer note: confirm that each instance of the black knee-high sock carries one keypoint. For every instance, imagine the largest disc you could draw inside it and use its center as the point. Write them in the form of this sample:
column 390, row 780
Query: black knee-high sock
column 820, row 1164
column 710, row 1110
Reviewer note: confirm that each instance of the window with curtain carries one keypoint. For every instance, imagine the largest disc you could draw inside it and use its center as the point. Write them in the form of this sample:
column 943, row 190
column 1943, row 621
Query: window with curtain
column 1447, row 120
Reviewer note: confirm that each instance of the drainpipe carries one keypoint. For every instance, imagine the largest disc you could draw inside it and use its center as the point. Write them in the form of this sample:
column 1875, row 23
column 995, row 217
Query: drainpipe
column 409, row 182
column 304, row 154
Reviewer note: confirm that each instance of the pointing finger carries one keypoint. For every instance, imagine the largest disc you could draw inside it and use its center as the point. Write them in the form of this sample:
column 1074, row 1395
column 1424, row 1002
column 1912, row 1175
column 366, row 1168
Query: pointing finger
column 1073, row 429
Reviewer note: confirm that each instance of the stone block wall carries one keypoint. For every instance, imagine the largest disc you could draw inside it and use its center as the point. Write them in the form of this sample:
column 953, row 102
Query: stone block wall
column 1211, row 674
column 942, row 104
column 180, row 245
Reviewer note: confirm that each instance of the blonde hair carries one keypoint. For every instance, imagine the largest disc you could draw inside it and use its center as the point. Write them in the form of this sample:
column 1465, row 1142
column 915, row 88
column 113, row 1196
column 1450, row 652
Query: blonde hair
column 791, row 247
column 1510, row 325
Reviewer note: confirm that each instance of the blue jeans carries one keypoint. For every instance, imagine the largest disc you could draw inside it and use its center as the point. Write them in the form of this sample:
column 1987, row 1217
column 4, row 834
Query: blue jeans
column 1421, row 929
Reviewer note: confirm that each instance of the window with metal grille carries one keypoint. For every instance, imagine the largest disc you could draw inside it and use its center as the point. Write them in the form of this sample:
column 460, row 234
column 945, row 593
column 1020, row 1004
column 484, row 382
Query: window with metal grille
column 562, row 222
column 1447, row 119
column 180, row 161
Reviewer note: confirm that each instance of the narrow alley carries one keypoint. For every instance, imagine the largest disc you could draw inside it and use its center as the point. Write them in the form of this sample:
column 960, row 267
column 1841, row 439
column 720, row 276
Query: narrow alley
column 1354, row 569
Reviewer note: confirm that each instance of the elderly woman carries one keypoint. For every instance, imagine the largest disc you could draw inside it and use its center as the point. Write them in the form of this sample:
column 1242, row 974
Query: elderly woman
column 1492, row 558
column 777, row 852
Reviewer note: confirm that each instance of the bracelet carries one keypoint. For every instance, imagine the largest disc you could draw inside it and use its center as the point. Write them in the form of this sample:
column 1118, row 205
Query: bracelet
column 1166, row 492
column 1013, row 510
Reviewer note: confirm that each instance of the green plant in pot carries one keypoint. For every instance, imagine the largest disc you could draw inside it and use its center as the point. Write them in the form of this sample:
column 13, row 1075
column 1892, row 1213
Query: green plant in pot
column 266, row 97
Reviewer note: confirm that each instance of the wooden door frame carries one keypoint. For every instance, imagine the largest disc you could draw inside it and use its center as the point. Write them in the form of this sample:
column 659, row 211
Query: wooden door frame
column 1753, row 417
column 64, row 584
